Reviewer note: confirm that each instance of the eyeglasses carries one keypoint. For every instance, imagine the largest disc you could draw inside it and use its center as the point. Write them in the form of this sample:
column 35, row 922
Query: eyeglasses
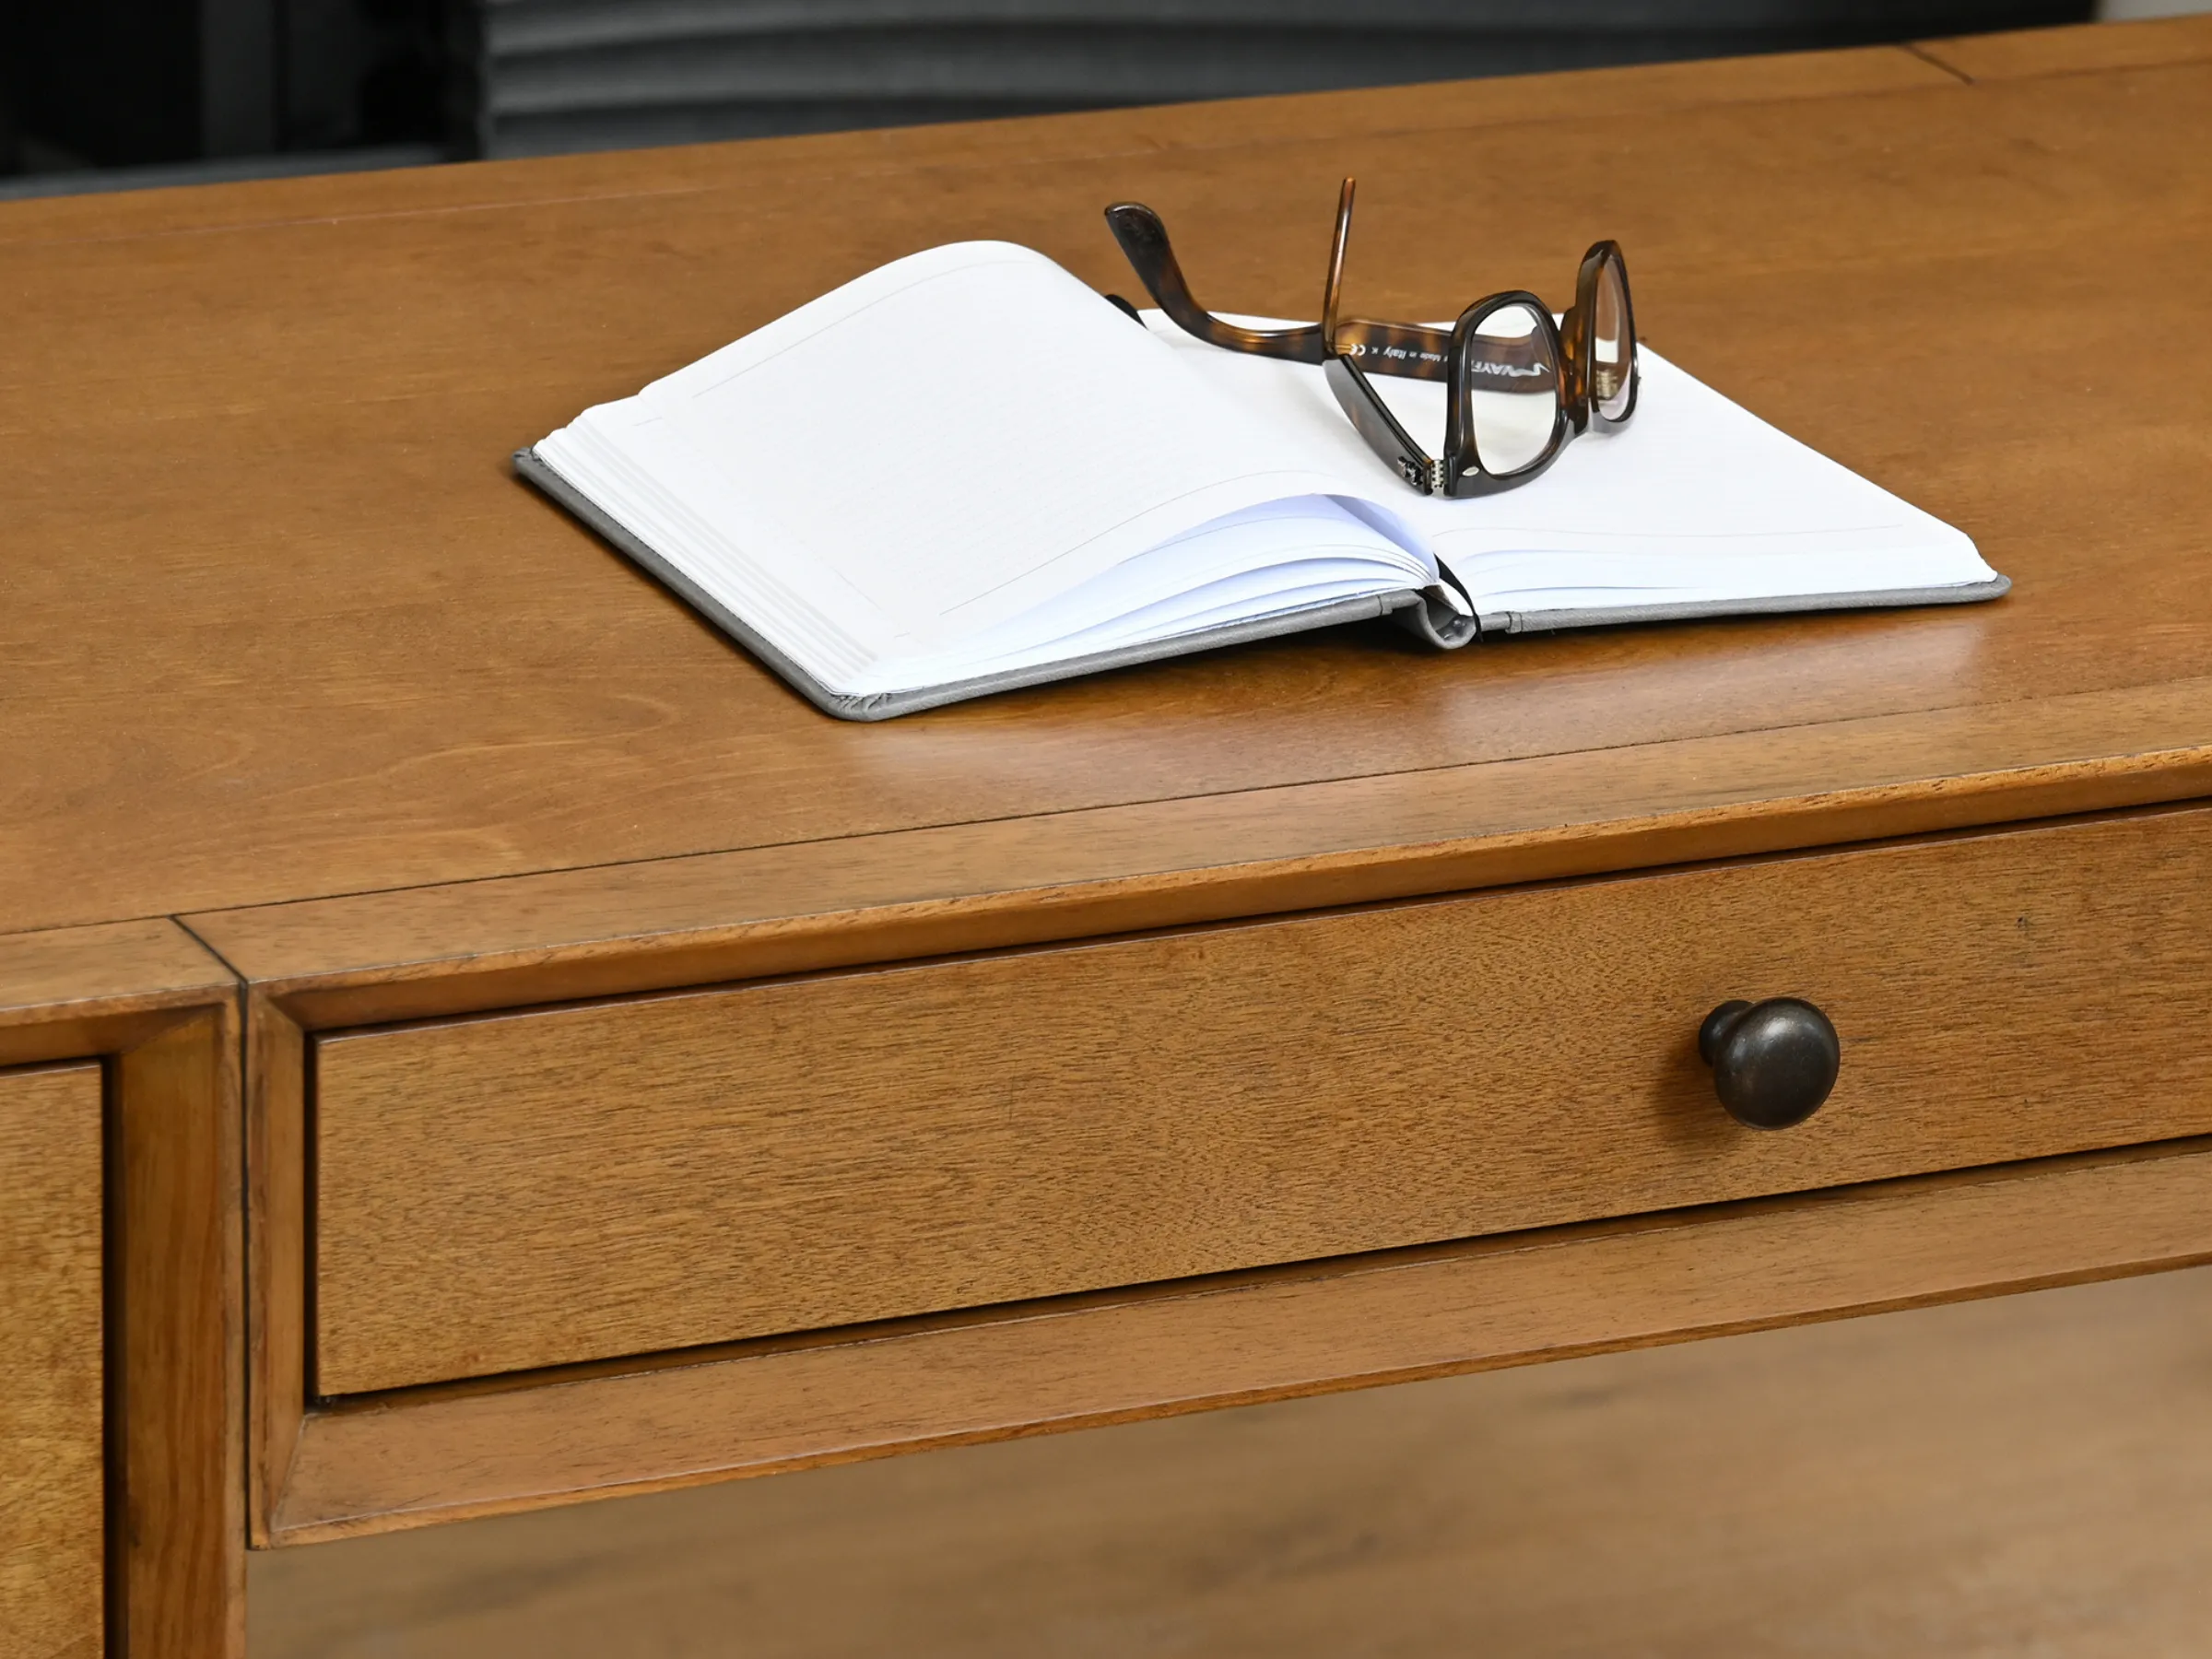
column 1517, row 385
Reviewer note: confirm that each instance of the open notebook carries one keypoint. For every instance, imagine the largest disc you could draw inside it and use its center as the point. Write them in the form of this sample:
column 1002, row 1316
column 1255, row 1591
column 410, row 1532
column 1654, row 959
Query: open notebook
column 966, row 472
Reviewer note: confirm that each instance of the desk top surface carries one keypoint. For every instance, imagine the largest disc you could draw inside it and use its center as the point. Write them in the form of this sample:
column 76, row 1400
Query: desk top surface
column 283, row 627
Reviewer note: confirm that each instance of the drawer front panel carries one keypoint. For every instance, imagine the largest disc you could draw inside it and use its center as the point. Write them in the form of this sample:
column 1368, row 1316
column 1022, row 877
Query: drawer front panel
column 515, row 1191
column 51, row 1410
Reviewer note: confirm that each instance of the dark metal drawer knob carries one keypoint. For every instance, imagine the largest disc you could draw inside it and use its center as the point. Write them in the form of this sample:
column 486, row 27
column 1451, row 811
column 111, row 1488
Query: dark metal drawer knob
column 1774, row 1062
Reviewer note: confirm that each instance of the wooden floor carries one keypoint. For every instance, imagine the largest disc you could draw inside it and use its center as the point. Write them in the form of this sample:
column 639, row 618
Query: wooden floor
column 2025, row 1477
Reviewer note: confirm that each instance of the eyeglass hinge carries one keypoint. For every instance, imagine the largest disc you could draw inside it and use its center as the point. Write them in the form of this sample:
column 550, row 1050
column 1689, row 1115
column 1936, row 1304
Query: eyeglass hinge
column 1436, row 477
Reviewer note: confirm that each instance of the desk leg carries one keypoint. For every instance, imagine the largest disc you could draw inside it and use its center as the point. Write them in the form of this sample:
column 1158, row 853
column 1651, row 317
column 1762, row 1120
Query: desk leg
column 176, row 1557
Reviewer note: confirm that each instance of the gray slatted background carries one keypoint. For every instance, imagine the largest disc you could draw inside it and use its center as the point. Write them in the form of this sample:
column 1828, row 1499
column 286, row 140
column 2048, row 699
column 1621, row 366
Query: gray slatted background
column 566, row 75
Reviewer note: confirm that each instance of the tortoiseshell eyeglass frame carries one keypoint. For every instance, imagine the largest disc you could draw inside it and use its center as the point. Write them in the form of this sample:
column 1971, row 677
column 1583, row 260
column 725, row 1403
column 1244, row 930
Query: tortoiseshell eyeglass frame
column 1349, row 349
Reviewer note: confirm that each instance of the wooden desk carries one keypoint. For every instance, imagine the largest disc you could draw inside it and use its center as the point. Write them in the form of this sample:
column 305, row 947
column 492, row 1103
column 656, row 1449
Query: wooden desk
column 544, row 1058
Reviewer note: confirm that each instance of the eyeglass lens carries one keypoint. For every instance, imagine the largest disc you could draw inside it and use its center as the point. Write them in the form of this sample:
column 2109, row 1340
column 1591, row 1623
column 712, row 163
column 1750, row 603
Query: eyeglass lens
column 1609, row 346
column 1512, row 397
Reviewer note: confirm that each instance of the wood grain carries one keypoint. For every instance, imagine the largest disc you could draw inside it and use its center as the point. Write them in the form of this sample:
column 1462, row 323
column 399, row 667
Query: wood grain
column 2144, row 44
column 276, row 1161
column 2028, row 1474
column 412, row 1458
column 150, row 1002
column 180, row 1306
column 512, row 1191
column 79, row 991
column 663, row 923
column 364, row 658
column 51, row 1436
column 839, row 157
column 238, row 422
column 44, row 975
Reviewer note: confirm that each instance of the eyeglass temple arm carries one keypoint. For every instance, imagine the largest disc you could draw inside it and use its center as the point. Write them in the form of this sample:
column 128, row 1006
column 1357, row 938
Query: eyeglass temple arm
column 1401, row 350
column 1334, row 285
column 1411, row 352
column 1143, row 240
column 1407, row 349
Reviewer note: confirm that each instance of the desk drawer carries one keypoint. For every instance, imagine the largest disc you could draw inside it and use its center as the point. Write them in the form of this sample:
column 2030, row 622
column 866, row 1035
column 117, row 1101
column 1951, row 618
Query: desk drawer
column 522, row 1190
column 52, row 1415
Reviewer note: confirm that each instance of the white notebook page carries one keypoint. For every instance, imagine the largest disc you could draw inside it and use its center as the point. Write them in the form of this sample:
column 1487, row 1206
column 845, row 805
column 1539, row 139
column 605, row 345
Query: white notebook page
column 934, row 449
column 967, row 462
column 1696, row 499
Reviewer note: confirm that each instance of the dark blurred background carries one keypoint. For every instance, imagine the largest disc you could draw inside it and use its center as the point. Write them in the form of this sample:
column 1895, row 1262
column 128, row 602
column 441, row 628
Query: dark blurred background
column 97, row 93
